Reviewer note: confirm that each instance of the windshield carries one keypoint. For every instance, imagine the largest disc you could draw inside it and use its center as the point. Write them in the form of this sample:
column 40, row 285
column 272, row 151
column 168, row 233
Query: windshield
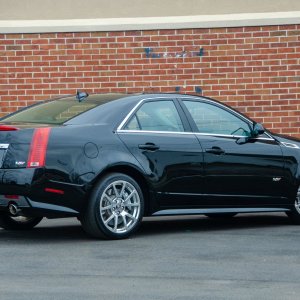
column 55, row 111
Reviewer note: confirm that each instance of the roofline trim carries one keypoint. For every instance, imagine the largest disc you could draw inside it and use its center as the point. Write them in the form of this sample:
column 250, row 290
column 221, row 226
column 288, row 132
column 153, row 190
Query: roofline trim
column 150, row 23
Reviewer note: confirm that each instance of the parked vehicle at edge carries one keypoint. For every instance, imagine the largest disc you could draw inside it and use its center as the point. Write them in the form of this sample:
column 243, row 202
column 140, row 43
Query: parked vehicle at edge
column 111, row 159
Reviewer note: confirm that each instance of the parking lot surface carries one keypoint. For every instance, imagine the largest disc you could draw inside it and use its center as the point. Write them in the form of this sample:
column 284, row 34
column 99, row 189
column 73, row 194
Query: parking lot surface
column 247, row 257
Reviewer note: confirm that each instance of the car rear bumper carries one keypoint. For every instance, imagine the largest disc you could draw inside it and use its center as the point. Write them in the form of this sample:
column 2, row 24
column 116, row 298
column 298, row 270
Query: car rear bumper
column 30, row 207
column 18, row 181
column 25, row 188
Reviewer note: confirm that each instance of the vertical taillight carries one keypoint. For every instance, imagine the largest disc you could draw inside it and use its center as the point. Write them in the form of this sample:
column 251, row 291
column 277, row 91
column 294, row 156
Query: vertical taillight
column 38, row 148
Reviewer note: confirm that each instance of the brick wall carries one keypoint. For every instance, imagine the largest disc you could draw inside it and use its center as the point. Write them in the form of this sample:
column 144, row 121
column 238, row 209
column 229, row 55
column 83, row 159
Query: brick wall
column 254, row 69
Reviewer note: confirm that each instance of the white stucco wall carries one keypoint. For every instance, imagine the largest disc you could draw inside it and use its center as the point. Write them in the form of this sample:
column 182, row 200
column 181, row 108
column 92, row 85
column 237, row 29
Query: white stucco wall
column 26, row 16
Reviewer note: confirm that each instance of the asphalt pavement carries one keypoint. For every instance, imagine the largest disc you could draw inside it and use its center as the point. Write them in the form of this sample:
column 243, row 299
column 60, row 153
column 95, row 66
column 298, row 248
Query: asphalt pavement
column 185, row 258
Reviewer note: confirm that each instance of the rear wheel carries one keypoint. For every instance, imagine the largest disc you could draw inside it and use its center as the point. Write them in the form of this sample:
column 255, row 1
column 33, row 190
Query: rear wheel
column 18, row 223
column 294, row 214
column 115, row 209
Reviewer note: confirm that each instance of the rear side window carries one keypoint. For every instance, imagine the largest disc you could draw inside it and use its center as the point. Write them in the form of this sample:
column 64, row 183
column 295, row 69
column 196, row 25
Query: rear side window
column 156, row 116
column 52, row 112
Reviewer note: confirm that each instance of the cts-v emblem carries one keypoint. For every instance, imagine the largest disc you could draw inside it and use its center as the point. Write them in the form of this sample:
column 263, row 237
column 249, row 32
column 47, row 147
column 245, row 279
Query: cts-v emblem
column 276, row 179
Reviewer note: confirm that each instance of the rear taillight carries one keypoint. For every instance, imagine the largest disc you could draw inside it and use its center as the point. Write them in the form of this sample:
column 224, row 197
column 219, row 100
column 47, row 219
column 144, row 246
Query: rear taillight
column 8, row 128
column 12, row 197
column 38, row 148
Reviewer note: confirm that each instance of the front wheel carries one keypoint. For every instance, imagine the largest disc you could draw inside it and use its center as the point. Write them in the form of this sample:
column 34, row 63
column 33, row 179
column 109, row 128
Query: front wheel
column 115, row 209
column 18, row 223
column 294, row 213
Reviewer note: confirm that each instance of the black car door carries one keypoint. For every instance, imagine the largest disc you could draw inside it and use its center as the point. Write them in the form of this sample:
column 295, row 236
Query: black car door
column 155, row 134
column 236, row 173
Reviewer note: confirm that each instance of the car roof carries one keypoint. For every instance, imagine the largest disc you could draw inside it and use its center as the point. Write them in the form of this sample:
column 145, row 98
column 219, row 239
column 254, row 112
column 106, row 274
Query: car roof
column 112, row 108
column 119, row 106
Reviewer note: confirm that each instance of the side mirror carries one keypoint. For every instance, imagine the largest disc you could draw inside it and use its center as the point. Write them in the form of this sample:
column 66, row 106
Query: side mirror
column 242, row 140
column 258, row 129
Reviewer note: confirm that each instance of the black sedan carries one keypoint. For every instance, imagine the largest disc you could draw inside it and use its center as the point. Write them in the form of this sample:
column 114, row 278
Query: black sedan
column 111, row 159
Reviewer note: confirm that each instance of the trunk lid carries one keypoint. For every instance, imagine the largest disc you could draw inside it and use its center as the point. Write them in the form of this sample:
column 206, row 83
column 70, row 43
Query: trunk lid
column 16, row 141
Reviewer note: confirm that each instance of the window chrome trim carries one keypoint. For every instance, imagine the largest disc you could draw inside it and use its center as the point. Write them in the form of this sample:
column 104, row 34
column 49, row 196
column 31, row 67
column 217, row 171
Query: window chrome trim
column 153, row 131
column 4, row 146
column 187, row 133
column 266, row 139
column 219, row 135
column 229, row 135
column 185, row 97
column 129, row 115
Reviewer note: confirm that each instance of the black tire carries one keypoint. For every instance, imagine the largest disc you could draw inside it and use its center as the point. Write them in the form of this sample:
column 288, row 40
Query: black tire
column 221, row 215
column 18, row 223
column 108, row 215
column 294, row 213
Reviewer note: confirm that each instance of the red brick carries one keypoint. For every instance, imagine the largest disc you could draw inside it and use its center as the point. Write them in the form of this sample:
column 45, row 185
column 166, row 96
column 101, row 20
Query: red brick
column 252, row 68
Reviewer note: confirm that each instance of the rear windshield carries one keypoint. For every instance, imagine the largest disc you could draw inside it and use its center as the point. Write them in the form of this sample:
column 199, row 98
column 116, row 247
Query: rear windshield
column 55, row 111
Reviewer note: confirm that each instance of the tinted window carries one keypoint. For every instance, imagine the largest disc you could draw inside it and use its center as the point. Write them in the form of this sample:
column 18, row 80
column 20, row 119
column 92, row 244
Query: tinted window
column 213, row 119
column 156, row 116
column 53, row 112
column 60, row 111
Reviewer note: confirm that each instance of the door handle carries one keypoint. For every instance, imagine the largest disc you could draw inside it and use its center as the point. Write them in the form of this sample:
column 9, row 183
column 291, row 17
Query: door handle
column 149, row 147
column 215, row 150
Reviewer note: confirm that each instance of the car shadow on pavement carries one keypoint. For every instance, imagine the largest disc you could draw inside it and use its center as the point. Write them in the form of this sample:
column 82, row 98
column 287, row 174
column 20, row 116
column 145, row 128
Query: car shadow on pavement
column 152, row 226
column 70, row 230
column 60, row 233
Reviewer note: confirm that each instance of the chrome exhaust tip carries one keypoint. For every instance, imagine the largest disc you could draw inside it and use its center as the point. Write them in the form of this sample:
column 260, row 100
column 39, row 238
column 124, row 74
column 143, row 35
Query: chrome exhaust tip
column 13, row 209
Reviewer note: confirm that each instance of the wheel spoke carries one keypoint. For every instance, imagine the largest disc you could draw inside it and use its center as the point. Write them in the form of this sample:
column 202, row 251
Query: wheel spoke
column 129, row 215
column 116, row 223
column 106, row 207
column 124, row 221
column 115, row 190
column 129, row 196
column 132, row 205
column 107, row 197
column 122, row 190
column 109, row 219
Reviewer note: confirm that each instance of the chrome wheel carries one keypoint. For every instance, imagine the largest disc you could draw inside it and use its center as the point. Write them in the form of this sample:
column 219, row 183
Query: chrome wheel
column 115, row 209
column 297, row 201
column 294, row 212
column 120, row 206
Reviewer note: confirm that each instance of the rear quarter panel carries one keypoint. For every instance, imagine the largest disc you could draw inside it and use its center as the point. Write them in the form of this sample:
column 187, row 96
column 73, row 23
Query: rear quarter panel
column 78, row 155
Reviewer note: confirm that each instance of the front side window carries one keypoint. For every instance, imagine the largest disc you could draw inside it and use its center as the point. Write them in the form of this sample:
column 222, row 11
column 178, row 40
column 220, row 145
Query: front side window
column 156, row 116
column 210, row 118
